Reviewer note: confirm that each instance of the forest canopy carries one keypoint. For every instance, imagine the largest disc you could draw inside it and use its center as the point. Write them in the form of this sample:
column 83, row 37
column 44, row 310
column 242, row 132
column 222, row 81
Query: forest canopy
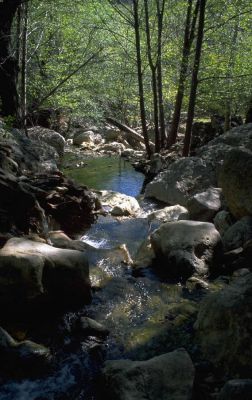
column 83, row 57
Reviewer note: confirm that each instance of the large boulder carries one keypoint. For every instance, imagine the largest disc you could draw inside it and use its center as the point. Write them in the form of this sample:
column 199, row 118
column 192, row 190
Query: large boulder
column 25, row 358
column 32, row 271
column 113, row 147
column 52, row 138
column 203, row 206
column 169, row 376
column 184, row 178
column 236, row 181
column 236, row 389
column 87, row 137
column 118, row 204
column 222, row 221
column 224, row 327
column 238, row 234
column 186, row 248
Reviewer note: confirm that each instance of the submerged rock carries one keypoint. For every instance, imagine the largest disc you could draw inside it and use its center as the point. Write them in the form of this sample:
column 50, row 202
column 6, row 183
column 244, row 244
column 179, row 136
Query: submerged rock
column 186, row 248
column 224, row 327
column 169, row 376
column 30, row 271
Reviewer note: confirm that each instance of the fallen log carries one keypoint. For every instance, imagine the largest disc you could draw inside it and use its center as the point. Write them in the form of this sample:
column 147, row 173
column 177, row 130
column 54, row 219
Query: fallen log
column 130, row 132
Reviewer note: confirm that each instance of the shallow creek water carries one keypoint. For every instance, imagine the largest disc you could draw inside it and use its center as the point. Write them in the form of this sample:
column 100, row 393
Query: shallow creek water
column 146, row 316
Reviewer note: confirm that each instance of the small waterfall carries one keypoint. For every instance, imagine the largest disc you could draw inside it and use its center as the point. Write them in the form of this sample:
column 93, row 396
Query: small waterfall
column 44, row 222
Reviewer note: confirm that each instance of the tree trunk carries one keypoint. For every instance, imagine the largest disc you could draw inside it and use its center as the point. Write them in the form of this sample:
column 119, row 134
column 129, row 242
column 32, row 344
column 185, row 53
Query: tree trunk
column 194, row 82
column 8, row 63
column 140, row 77
column 153, row 68
column 160, row 16
column 231, row 64
column 23, row 93
column 248, row 117
column 188, row 40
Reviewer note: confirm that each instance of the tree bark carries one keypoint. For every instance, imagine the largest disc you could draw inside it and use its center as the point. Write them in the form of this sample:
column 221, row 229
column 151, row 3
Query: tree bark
column 8, row 62
column 153, row 68
column 194, row 82
column 231, row 64
column 188, row 40
column 126, row 129
column 160, row 16
column 23, row 92
column 248, row 117
column 140, row 77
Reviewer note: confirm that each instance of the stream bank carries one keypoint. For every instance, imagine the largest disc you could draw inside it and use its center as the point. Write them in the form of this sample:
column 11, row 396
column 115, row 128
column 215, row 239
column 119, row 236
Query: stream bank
column 147, row 312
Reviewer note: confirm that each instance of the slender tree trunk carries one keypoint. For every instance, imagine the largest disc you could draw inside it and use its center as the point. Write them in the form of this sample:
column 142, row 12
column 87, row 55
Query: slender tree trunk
column 194, row 82
column 160, row 16
column 248, row 117
column 231, row 64
column 140, row 77
column 227, row 122
column 188, row 40
column 24, row 68
column 153, row 68
column 8, row 63
column 18, row 58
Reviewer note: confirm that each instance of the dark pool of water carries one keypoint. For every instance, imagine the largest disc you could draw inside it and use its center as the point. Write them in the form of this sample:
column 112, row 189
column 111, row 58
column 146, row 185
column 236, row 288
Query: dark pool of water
column 106, row 173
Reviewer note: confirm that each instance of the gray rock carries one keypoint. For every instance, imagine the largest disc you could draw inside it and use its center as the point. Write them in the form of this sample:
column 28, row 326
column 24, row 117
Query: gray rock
column 222, row 221
column 114, row 147
column 86, row 137
column 186, row 248
column 238, row 234
column 118, row 204
column 203, row 206
column 168, row 214
column 24, row 358
column 32, row 270
column 52, row 138
column 235, row 178
column 224, row 327
column 184, row 178
column 236, row 389
column 169, row 376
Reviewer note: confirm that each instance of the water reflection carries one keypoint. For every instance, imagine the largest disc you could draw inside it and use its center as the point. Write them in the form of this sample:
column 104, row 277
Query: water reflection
column 108, row 173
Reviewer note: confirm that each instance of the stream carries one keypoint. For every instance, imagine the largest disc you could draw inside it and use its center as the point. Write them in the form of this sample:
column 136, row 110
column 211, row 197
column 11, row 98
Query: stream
column 146, row 315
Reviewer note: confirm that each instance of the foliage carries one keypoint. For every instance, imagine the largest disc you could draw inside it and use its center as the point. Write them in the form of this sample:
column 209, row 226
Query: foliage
column 62, row 35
